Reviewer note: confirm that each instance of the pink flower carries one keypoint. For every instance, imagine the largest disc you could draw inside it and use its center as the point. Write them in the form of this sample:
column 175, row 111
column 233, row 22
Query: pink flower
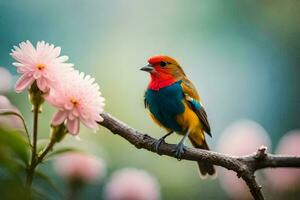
column 41, row 64
column 132, row 184
column 6, row 80
column 78, row 98
column 286, row 179
column 243, row 137
column 79, row 167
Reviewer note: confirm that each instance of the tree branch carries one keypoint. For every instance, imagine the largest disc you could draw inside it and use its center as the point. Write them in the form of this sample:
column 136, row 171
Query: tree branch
column 244, row 166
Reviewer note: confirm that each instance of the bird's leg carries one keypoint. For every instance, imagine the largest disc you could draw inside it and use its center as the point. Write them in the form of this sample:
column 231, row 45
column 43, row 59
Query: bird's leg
column 161, row 140
column 180, row 147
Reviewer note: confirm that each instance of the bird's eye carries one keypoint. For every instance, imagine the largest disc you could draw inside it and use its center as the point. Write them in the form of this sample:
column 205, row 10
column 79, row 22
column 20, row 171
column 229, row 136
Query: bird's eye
column 163, row 64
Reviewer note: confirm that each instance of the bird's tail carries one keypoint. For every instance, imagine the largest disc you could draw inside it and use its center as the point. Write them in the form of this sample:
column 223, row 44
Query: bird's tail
column 204, row 168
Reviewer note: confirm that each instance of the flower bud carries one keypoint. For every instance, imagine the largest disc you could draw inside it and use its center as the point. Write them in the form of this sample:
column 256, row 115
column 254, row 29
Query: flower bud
column 58, row 132
column 35, row 95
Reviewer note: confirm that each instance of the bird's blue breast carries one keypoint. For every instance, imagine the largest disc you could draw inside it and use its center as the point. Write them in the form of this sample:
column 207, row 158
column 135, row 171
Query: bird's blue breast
column 165, row 104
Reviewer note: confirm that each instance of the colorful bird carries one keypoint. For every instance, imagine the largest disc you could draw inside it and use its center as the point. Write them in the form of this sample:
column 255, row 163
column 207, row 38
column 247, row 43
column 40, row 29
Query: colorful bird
column 174, row 104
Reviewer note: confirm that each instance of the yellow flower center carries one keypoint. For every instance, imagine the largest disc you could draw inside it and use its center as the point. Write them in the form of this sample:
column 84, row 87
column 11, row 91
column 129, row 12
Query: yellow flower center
column 74, row 102
column 40, row 66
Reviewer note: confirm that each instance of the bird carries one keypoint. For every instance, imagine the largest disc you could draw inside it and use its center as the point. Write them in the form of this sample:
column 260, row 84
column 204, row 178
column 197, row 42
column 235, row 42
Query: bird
column 173, row 103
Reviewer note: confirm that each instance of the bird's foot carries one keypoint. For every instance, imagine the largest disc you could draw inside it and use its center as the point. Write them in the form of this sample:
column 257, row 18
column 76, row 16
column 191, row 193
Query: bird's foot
column 179, row 150
column 158, row 143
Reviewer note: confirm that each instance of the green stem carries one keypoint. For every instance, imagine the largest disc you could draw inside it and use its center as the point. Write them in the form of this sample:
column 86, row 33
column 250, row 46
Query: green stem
column 34, row 143
column 29, row 177
column 46, row 150
column 37, row 161
column 35, row 129
column 36, row 98
column 58, row 132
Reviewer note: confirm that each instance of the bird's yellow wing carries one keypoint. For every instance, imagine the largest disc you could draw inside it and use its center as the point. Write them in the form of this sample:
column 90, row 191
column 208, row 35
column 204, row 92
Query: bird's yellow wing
column 193, row 100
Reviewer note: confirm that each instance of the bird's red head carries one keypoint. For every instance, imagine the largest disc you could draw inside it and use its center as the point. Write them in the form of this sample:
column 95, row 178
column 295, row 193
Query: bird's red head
column 164, row 71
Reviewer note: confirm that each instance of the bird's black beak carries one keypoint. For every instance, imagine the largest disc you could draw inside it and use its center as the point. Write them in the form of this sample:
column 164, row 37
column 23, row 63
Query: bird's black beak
column 148, row 68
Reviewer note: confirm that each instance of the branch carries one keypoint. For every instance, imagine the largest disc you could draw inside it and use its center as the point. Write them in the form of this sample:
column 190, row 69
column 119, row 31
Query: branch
column 244, row 166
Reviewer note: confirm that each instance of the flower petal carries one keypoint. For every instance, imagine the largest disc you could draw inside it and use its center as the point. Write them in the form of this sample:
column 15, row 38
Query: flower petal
column 17, row 64
column 68, row 105
column 62, row 59
column 23, row 82
column 59, row 118
column 73, row 126
column 37, row 74
column 42, row 84
column 90, row 124
column 56, row 52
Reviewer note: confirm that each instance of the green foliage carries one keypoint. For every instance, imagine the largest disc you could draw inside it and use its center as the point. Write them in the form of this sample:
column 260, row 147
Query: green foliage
column 13, row 145
column 46, row 183
column 11, row 189
column 4, row 112
column 14, row 158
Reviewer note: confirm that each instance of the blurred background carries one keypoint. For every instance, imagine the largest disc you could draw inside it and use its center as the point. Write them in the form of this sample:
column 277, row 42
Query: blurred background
column 243, row 57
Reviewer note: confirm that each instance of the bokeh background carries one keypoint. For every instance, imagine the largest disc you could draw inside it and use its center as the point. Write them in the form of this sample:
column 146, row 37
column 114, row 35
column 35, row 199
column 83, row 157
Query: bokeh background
column 243, row 57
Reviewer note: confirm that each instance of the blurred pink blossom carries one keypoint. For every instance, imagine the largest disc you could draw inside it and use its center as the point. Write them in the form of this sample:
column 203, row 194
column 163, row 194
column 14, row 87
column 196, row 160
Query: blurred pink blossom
column 6, row 80
column 240, row 138
column 132, row 184
column 80, row 167
column 78, row 99
column 9, row 120
column 286, row 179
column 42, row 64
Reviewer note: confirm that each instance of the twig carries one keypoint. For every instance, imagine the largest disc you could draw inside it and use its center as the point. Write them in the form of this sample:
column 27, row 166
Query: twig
column 244, row 166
